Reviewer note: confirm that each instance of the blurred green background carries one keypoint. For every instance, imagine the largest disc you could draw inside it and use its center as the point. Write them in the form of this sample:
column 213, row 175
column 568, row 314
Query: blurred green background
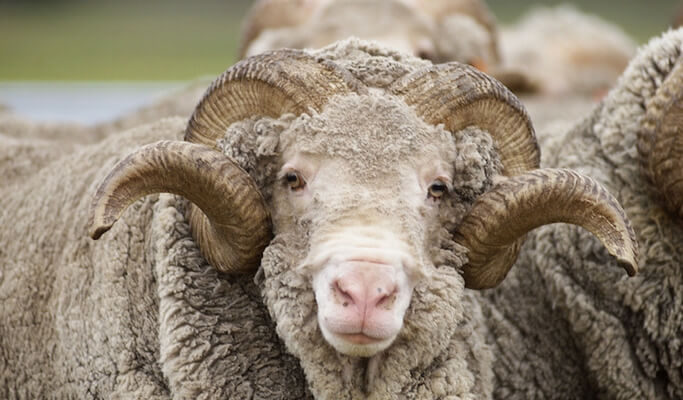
column 179, row 40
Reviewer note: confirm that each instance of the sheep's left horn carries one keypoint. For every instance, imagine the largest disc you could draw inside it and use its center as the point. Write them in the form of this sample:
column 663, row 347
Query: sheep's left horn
column 459, row 96
column 239, row 224
column 660, row 140
column 502, row 216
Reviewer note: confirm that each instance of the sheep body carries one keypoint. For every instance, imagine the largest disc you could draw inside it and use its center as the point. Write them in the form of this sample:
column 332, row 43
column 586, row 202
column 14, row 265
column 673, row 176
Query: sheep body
column 620, row 338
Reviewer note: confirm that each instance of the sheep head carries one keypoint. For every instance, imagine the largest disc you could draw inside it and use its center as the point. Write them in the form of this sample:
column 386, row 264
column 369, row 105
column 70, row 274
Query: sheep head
column 370, row 197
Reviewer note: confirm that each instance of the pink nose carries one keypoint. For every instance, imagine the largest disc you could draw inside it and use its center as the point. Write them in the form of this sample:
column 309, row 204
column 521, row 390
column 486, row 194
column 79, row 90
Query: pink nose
column 366, row 291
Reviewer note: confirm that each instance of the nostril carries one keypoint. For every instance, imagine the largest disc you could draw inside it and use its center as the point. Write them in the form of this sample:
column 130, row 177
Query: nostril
column 385, row 296
column 343, row 296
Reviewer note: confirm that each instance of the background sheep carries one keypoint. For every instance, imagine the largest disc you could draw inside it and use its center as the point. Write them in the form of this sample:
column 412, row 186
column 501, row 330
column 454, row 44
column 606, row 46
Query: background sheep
column 462, row 30
column 552, row 50
column 142, row 314
column 566, row 324
column 564, row 50
column 31, row 145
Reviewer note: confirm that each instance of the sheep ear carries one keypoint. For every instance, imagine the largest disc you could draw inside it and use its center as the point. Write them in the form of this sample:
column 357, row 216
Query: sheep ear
column 494, row 229
column 660, row 140
column 233, row 226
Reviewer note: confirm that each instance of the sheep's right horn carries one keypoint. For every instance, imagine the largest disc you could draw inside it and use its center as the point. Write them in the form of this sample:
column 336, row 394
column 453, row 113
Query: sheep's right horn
column 239, row 224
column 500, row 217
column 660, row 140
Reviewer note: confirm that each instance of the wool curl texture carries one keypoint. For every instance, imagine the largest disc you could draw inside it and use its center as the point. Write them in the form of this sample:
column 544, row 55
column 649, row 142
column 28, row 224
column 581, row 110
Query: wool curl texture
column 566, row 321
column 141, row 314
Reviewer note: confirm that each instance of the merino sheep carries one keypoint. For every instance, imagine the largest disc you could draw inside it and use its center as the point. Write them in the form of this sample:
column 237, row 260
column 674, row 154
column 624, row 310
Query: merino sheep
column 563, row 50
column 567, row 326
column 383, row 209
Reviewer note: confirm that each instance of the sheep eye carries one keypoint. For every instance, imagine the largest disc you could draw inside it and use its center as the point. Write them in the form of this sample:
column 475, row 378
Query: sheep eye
column 294, row 181
column 437, row 189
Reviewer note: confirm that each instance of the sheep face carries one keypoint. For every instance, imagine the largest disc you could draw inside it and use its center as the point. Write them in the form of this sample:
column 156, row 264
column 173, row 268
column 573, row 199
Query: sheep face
column 358, row 203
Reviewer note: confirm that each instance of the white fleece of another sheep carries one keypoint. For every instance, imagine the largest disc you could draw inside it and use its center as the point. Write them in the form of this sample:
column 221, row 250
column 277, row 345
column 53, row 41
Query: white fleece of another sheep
column 599, row 332
column 565, row 50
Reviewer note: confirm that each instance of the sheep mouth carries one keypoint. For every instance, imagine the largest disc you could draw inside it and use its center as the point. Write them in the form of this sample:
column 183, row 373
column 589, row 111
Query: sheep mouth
column 357, row 344
column 359, row 338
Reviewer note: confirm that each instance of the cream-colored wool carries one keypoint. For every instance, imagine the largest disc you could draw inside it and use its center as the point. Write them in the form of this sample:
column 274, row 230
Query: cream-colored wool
column 567, row 321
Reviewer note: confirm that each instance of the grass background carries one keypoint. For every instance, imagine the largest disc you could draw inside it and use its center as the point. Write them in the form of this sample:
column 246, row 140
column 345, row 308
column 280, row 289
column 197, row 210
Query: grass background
column 180, row 40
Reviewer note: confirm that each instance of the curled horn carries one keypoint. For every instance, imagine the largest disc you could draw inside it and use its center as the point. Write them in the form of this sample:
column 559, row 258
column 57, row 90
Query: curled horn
column 459, row 96
column 230, row 222
column 660, row 140
column 494, row 229
column 269, row 84
column 239, row 225
column 498, row 218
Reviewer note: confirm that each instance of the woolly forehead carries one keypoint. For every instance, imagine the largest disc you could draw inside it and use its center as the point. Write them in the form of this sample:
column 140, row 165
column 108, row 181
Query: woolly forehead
column 374, row 132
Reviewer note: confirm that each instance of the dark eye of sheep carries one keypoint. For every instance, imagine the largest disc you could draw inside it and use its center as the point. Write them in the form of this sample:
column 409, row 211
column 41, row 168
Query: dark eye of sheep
column 294, row 181
column 437, row 189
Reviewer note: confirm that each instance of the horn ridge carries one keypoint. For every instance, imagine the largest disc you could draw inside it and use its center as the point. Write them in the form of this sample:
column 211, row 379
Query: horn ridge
column 268, row 84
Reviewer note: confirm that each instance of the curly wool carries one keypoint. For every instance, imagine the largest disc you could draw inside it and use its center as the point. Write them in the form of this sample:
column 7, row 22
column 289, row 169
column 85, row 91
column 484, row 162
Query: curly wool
column 566, row 307
column 77, row 319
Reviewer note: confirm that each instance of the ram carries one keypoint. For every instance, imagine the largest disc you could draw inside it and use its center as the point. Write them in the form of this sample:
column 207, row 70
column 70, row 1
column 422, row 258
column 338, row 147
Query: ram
column 340, row 202
column 565, row 324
